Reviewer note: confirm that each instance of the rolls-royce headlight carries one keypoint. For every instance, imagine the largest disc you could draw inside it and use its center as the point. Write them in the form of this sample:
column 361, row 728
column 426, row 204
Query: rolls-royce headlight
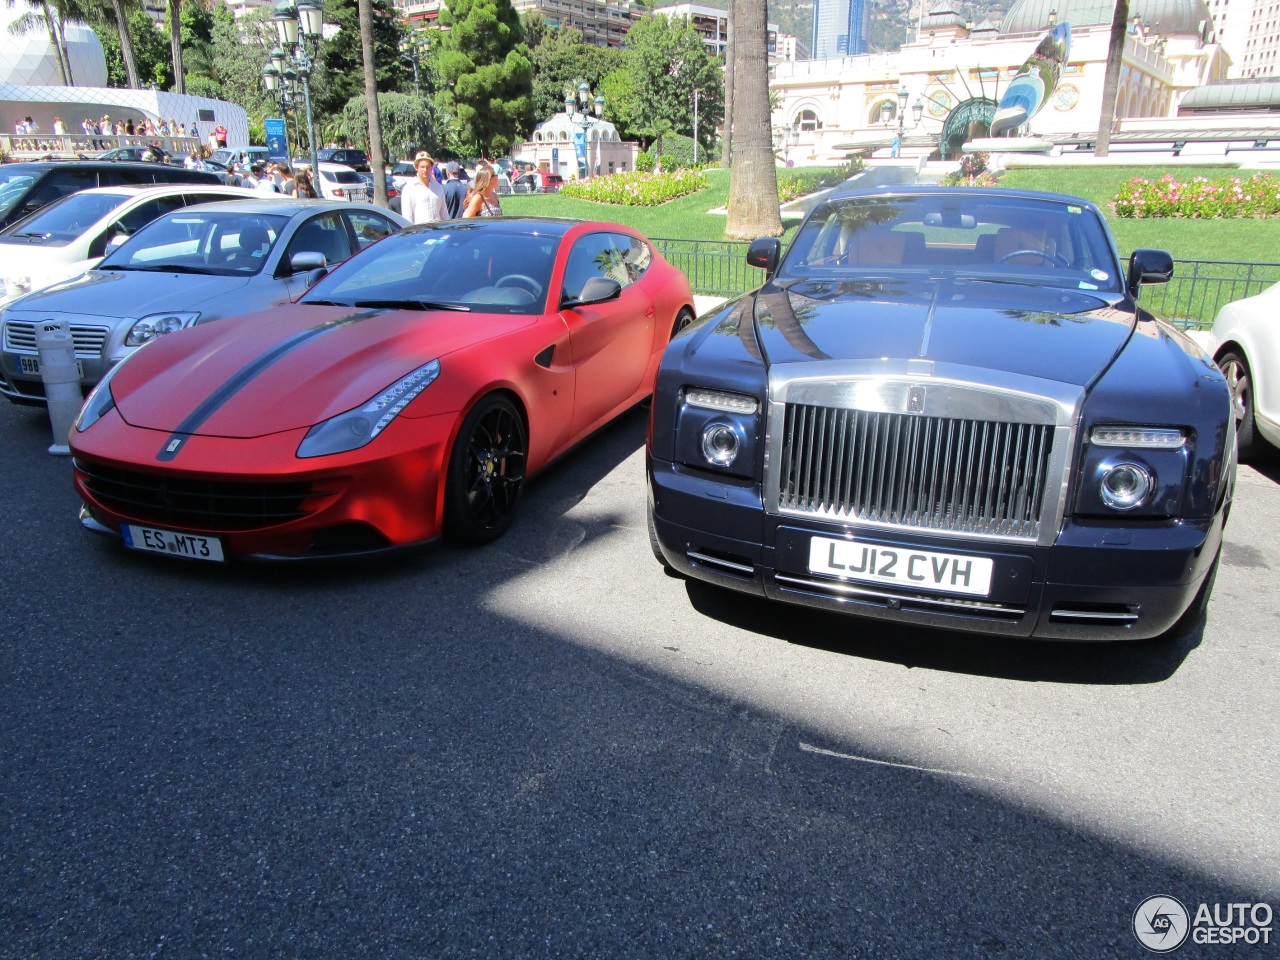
column 157, row 325
column 1126, row 486
column 1158, row 438
column 355, row 428
column 720, row 444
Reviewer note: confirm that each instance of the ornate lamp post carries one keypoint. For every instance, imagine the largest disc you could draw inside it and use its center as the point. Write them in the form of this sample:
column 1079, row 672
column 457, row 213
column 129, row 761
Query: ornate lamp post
column 298, row 28
column 886, row 116
column 414, row 48
column 582, row 118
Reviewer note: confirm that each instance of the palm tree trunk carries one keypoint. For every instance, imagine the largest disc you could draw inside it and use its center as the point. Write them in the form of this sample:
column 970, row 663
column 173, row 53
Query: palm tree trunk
column 1111, row 80
column 58, row 52
column 61, row 44
column 126, row 43
column 753, row 178
column 377, row 163
column 726, row 143
column 175, row 46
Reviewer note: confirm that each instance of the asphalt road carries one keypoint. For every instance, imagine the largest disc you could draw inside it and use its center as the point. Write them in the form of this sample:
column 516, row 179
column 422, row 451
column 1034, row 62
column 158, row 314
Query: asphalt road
column 548, row 747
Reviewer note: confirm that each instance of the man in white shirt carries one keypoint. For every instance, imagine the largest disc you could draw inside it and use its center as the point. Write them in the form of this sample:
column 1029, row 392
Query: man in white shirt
column 422, row 200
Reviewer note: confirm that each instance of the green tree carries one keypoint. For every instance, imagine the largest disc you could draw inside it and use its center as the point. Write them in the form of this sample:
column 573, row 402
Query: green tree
column 341, row 74
column 560, row 62
column 231, row 65
column 670, row 61
column 148, row 48
column 408, row 123
column 487, row 73
column 620, row 88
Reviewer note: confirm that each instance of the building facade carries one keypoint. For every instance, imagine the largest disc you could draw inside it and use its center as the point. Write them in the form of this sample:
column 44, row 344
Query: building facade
column 841, row 28
column 562, row 145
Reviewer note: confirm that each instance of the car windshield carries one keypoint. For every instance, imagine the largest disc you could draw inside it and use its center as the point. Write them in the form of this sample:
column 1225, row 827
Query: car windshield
column 490, row 268
column 223, row 243
column 13, row 185
column 980, row 236
column 65, row 220
column 341, row 176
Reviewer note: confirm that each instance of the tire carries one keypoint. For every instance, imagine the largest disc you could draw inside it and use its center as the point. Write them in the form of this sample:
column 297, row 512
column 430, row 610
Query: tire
column 1192, row 616
column 486, row 472
column 683, row 319
column 1240, row 379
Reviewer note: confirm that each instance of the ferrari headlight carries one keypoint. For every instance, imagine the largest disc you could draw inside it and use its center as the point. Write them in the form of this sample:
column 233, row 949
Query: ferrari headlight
column 99, row 402
column 157, row 325
column 355, row 428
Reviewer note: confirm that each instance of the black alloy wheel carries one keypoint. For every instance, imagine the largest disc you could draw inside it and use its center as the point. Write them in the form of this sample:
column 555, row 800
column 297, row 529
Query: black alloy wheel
column 683, row 319
column 486, row 472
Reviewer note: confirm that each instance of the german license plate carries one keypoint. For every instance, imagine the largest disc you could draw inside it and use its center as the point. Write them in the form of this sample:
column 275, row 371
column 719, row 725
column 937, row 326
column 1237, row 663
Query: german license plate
column 912, row 569
column 31, row 365
column 190, row 545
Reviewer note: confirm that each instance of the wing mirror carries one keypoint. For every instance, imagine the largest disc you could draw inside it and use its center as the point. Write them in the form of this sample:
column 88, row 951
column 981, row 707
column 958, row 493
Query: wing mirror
column 116, row 241
column 1149, row 266
column 305, row 260
column 764, row 253
column 595, row 290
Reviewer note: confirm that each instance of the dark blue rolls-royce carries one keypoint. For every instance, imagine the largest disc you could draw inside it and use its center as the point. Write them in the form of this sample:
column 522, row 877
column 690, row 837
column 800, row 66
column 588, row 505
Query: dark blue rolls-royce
column 946, row 407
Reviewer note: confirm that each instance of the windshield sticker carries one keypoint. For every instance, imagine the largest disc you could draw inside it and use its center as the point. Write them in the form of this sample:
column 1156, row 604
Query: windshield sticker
column 1074, row 209
column 1100, row 275
column 1088, row 286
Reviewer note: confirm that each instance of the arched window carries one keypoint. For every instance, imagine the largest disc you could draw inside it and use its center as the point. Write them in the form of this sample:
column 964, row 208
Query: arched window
column 806, row 121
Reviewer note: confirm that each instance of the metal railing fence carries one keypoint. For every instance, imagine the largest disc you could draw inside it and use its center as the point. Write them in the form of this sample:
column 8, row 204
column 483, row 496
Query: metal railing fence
column 1191, row 299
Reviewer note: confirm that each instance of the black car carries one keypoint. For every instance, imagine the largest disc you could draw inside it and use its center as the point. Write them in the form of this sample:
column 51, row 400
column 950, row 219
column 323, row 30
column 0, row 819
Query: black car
column 945, row 407
column 357, row 160
column 137, row 154
column 26, row 187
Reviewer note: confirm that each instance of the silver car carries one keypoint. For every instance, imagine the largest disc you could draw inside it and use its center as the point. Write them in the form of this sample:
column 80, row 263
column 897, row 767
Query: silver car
column 194, row 265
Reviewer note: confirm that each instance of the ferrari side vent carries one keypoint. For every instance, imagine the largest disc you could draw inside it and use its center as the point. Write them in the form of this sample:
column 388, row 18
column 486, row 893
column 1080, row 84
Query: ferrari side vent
column 189, row 503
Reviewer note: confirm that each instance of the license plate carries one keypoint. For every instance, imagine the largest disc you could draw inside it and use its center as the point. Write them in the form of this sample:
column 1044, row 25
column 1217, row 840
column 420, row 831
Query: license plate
column 152, row 540
column 31, row 365
column 913, row 569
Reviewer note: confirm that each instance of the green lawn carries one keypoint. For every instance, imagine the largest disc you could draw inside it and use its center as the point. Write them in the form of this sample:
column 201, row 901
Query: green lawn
column 1252, row 241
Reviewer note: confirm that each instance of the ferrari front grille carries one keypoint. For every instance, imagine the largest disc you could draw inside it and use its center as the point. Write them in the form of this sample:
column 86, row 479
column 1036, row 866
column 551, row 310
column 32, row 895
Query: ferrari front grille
column 195, row 504
column 21, row 335
column 920, row 472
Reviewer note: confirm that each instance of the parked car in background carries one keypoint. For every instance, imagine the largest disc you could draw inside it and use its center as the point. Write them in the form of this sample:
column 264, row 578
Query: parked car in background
column 408, row 394
column 191, row 266
column 150, row 154
column 537, row 182
column 246, row 156
column 338, row 182
column 69, row 236
column 26, row 187
column 1245, row 343
column 945, row 407
column 347, row 156
column 393, row 190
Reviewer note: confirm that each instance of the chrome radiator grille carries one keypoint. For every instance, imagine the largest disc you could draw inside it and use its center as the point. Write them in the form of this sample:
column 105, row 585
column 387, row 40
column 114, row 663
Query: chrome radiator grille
column 21, row 335
column 927, row 472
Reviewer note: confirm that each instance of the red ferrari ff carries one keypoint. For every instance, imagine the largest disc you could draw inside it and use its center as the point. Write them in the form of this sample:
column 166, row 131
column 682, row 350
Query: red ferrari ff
column 409, row 393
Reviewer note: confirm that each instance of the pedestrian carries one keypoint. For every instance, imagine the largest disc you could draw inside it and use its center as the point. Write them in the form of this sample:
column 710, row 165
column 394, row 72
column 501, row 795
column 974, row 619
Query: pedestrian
column 249, row 180
column 455, row 191
column 303, row 186
column 422, row 200
column 128, row 127
column 193, row 161
column 266, row 179
column 220, row 134
column 59, row 128
column 32, row 126
column 482, row 198
column 288, row 186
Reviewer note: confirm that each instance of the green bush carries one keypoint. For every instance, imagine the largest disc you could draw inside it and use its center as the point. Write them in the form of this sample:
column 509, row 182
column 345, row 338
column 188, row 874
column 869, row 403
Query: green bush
column 679, row 148
column 644, row 161
column 667, row 163
column 1200, row 198
column 636, row 189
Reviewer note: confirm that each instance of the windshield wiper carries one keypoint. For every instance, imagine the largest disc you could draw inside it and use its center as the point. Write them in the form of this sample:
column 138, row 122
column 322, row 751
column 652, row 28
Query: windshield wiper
column 412, row 305
column 162, row 268
column 34, row 236
column 323, row 303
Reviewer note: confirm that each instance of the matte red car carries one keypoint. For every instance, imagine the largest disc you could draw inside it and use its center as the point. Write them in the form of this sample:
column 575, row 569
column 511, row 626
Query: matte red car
column 409, row 393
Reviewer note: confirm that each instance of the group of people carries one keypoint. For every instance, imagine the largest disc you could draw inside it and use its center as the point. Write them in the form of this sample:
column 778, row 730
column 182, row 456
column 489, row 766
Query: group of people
column 428, row 198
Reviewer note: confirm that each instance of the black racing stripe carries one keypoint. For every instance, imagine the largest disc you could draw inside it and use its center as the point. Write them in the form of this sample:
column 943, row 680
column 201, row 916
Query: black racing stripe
column 237, row 381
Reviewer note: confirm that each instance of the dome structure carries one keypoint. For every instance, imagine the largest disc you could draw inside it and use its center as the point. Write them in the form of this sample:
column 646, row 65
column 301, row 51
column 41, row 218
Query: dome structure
column 28, row 59
column 1164, row 17
column 560, row 129
column 940, row 17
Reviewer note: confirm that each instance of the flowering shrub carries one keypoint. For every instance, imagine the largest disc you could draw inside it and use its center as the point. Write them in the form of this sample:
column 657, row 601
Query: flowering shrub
column 1200, row 197
column 636, row 189
column 958, row 179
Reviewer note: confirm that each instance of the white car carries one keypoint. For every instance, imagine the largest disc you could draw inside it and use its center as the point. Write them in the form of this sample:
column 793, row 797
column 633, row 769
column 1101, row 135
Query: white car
column 70, row 236
column 1245, row 343
column 340, row 182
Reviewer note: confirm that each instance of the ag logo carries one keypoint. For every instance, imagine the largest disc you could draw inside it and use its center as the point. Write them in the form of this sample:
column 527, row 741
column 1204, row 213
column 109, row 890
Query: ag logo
column 1161, row 924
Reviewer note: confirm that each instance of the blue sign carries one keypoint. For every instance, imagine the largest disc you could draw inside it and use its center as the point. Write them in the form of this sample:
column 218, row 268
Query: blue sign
column 277, row 139
column 555, row 159
column 580, row 148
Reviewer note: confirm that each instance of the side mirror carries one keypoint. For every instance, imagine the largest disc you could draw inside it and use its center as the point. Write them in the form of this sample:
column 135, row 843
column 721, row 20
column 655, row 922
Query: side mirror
column 305, row 260
column 1149, row 266
column 764, row 253
column 117, row 240
column 595, row 290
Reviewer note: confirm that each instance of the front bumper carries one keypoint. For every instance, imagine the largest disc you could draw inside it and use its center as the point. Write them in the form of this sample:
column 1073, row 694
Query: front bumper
column 1097, row 582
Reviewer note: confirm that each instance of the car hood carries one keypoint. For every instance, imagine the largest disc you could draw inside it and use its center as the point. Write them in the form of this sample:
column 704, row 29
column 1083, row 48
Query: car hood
column 1051, row 333
column 129, row 293
column 286, row 368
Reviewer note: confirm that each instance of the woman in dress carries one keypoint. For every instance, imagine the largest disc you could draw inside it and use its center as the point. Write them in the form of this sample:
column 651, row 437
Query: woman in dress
column 303, row 185
column 482, row 198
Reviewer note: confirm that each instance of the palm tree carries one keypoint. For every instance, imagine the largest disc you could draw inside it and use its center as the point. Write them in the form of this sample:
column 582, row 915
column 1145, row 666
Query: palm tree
column 377, row 161
column 726, row 145
column 1111, row 80
column 175, row 46
column 44, row 16
column 119, row 12
column 753, row 177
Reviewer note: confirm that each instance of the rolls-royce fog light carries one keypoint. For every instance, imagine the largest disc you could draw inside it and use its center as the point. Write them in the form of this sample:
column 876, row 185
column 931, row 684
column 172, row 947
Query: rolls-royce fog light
column 720, row 444
column 1125, row 486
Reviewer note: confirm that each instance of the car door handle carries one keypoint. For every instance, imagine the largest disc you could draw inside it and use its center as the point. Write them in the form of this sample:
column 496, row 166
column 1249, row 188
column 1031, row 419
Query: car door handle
column 649, row 311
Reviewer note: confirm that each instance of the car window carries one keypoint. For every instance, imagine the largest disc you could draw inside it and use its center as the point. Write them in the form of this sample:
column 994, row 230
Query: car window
column 345, row 176
column 195, row 240
column 13, row 185
column 596, row 255
column 637, row 255
column 60, row 183
column 369, row 227
column 137, row 218
column 64, row 220
column 126, row 177
column 324, row 234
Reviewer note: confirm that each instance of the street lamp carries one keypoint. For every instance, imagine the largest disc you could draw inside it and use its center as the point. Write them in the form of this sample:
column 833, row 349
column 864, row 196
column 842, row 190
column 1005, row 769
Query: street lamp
column 414, row 48
column 298, row 28
column 886, row 116
column 582, row 118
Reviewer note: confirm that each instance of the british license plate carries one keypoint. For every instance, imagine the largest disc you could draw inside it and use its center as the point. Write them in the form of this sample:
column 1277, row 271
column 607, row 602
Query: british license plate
column 152, row 540
column 913, row 569
column 31, row 365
